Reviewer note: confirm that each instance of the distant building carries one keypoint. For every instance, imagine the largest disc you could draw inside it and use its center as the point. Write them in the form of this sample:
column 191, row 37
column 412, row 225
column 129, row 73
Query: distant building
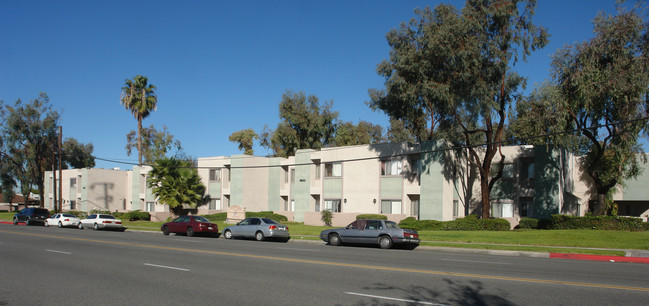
column 399, row 180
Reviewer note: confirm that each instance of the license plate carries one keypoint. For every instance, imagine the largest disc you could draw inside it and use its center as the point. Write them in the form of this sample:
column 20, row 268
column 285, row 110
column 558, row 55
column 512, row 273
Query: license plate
column 210, row 228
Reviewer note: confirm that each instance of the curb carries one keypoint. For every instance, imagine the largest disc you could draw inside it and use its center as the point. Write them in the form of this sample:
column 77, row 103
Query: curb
column 644, row 260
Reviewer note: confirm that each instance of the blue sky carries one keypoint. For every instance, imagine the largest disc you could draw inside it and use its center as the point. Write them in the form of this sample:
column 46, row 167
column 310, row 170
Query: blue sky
column 219, row 66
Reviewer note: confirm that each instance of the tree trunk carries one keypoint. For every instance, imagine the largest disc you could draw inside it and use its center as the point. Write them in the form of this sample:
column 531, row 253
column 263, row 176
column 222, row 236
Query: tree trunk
column 484, row 190
column 139, row 140
column 600, row 205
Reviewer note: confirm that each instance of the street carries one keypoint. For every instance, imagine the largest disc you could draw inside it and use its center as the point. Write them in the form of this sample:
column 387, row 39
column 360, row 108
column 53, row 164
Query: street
column 54, row 266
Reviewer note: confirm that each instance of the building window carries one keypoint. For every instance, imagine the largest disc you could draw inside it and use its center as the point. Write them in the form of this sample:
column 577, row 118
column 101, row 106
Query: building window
column 293, row 175
column 525, row 206
column 73, row 204
column 333, row 205
column 333, row 169
column 317, row 171
column 415, row 169
column 150, row 206
column 390, row 206
column 317, row 205
column 391, row 167
column 215, row 175
column 502, row 210
column 73, row 182
column 215, row 204
column 527, row 168
column 414, row 206
column 508, row 171
column 285, row 174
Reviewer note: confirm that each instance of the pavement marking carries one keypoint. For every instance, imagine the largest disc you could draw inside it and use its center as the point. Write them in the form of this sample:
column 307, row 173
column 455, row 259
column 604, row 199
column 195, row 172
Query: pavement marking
column 166, row 267
column 297, row 249
column 476, row 261
column 395, row 299
column 347, row 265
column 60, row 252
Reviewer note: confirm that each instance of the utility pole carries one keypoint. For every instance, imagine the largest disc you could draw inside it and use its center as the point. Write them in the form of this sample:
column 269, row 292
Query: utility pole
column 60, row 170
column 54, row 197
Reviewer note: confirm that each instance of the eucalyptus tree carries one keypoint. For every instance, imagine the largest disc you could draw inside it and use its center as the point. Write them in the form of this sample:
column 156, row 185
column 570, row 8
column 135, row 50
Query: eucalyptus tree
column 449, row 76
column 245, row 139
column 155, row 144
column 350, row 134
column 139, row 97
column 176, row 183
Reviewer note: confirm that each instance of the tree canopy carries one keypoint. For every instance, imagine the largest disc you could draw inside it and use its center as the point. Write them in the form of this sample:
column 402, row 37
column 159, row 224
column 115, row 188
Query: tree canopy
column 155, row 144
column 176, row 183
column 449, row 76
column 245, row 139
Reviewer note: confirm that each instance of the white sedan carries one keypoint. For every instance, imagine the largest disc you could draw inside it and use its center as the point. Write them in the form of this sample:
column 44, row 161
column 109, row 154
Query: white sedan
column 63, row 220
column 101, row 221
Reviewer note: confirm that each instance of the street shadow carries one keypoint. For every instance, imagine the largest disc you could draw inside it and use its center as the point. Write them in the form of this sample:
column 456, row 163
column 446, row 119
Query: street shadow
column 471, row 292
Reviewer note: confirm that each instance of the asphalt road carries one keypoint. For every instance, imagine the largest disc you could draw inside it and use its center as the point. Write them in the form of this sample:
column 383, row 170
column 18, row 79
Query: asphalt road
column 52, row 266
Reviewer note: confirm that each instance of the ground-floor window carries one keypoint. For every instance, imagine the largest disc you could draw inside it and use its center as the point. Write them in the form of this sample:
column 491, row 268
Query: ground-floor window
column 73, row 204
column 414, row 206
column 333, row 205
column 525, row 206
column 390, row 206
column 502, row 210
column 215, row 204
column 150, row 206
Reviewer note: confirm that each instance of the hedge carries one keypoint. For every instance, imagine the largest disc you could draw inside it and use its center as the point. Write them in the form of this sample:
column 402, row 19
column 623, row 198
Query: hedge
column 560, row 222
column 528, row 223
column 133, row 215
column 216, row 217
column 468, row 223
column 372, row 216
column 267, row 214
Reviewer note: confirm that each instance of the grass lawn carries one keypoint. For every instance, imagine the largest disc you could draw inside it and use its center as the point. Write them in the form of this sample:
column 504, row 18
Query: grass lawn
column 558, row 241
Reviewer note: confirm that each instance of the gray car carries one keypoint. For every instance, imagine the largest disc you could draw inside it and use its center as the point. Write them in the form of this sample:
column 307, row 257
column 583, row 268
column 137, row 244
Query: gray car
column 384, row 233
column 258, row 228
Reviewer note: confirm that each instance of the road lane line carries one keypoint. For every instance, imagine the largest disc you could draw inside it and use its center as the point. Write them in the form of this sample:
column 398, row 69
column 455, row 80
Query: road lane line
column 395, row 299
column 166, row 267
column 296, row 249
column 60, row 252
column 476, row 261
column 339, row 264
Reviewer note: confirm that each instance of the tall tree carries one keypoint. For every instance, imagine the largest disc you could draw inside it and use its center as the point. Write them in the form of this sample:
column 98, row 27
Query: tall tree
column 138, row 96
column 600, row 90
column 176, row 183
column 77, row 155
column 349, row 134
column 245, row 139
column 305, row 124
column 450, row 74
column 29, row 135
column 155, row 144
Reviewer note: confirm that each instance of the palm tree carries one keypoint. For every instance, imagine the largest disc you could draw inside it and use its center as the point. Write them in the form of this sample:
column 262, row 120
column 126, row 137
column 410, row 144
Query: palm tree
column 176, row 183
column 139, row 97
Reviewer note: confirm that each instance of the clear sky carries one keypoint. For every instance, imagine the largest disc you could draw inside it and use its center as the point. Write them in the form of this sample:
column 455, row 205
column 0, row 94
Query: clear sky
column 219, row 66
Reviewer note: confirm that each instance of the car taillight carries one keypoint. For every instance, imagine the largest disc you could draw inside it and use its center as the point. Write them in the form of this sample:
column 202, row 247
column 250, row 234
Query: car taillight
column 106, row 221
column 118, row 222
column 272, row 227
column 409, row 235
column 66, row 219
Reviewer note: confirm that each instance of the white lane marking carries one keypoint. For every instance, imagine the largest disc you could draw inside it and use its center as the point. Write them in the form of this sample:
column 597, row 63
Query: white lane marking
column 60, row 252
column 395, row 299
column 296, row 249
column 166, row 267
column 476, row 261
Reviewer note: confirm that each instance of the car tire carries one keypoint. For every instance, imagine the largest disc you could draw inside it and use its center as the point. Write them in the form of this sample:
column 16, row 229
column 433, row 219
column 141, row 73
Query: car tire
column 334, row 239
column 96, row 226
column 27, row 222
column 190, row 232
column 165, row 231
column 15, row 221
column 259, row 236
column 60, row 224
column 385, row 242
column 46, row 224
column 80, row 225
column 227, row 234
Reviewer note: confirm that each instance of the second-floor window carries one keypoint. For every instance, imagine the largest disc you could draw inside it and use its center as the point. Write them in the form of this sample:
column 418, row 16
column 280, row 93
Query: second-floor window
column 333, row 169
column 391, row 167
column 215, row 175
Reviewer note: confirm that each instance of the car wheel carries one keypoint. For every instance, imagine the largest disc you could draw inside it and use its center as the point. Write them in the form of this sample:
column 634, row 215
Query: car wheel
column 80, row 225
column 15, row 221
column 46, row 224
column 334, row 239
column 259, row 236
column 385, row 242
column 27, row 222
column 227, row 234
column 165, row 231
column 60, row 224
column 96, row 226
column 190, row 232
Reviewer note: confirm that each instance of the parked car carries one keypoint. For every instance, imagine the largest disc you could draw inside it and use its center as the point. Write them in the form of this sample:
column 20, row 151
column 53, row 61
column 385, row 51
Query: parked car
column 259, row 228
column 384, row 233
column 101, row 221
column 31, row 215
column 63, row 220
column 191, row 225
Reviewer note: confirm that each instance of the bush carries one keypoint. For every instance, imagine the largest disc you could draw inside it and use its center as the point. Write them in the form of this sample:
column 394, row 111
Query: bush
column 266, row 214
column 596, row 222
column 528, row 223
column 371, row 216
column 216, row 217
column 495, row 224
column 326, row 216
column 79, row 214
column 420, row 225
column 468, row 223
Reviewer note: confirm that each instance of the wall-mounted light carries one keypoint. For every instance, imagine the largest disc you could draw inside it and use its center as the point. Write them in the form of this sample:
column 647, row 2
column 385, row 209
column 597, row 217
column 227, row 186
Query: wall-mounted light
column 374, row 201
column 345, row 200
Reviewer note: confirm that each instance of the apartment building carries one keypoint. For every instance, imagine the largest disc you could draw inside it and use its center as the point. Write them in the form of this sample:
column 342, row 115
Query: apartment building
column 400, row 180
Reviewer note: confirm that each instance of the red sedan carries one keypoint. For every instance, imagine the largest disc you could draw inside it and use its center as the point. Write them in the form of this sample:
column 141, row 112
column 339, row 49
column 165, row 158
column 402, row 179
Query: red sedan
column 191, row 225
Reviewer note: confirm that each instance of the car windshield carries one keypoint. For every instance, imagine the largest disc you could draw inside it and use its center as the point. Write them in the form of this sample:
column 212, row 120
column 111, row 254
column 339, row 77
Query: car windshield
column 200, row 219
column 390, row 224
column 106, row 217
column 269, row 221
column 69, row 215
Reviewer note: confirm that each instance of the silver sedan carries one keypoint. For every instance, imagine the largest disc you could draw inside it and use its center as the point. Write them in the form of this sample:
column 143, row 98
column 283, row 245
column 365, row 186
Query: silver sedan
column 63, row 220
column 258, row 228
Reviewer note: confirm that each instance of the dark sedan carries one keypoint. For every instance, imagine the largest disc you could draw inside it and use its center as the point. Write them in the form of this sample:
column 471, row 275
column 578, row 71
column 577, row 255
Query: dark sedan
column 191, row 225
column 31, row 215
column 384, row 233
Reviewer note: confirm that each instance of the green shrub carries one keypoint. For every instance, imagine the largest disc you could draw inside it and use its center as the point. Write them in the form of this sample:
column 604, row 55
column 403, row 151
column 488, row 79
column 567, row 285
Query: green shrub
column 468, row 223
column 420, row 225
column 596, row 222
column 371, row 216
column 326, row 216
column 528, row 223
column 79, row 214
column 266, row 214
column 494, row 224
column 216, row 217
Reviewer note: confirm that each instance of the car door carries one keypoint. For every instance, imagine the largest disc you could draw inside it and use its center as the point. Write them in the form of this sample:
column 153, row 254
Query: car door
column 371, row 231
column 88, row 222
column 179, row 225
column 251, row 229
column 353, row 232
